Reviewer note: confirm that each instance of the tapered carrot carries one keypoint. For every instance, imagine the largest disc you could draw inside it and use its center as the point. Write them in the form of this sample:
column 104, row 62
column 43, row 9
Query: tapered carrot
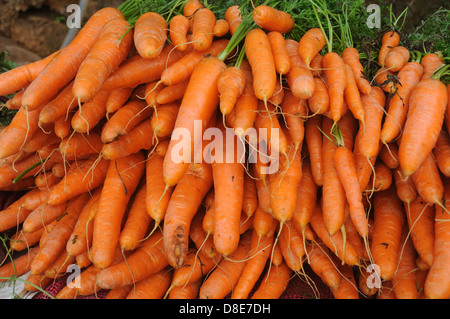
column 178, row 30
column 250, row 196
column 314, row 143
column 78, row 146
column 398, row 105
column 386, row 80
column 147, row 259
column 425, row 117
column 109, row 51
column 335, row 75
column 152, row 287
column 428, row 181
column 441, row 153
column 389, row 217
column 294, row 111
column 430, row 62
column 189, row 291
column 150, row 34
column 60, row 265
column 42, row 216
column 299, row 77
column 390, row 40
column 230, row 85
column 81, row 237
column 124, row 120
column 224, row 277
column 405, row 186
column 25, row 240
column 19, row 265
column 117, row 98
column 172, row 93
column 221, row 28
column 352, row 96
column 57, row 238
column 351, row 57
column 198, row 105
column 310, row 44
column 233, row 17
column 420, row 217
column 90, row 113
column 437, row 283
column 122, row 179
column 203, row 28
column 389, row 155
column 280, row 54
column 119, row 292
column 272, row 19
column 292, row 246
column 84, row 178
column 191, row 6
column 404, row 280
column 347, row 288
column 397, row 58
column 319, row 103
column 381, row 178
column 66, row 64
column 321, row 262
column 257, row 48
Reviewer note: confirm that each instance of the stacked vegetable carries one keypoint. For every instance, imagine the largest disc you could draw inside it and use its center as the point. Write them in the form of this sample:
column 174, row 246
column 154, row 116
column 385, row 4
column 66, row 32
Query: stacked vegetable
column 361, row 189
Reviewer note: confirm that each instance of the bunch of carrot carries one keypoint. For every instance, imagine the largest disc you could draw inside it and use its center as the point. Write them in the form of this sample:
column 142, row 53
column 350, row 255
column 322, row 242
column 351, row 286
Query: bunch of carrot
column 361, row 193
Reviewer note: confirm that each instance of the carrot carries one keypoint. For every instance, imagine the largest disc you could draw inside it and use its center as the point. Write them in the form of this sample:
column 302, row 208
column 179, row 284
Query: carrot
column 124, row 120
column 246, row 105
column 178, row 30
column 117, row 98
column 352, row 237
column 279, row 52
column 334, row 195
column 24, row 240
column 294, row 111
column 381, row 178
column 59, row 267
column 90, row 113
column 430, row 63
column 189, row 291
column 299, row 78
column 121, row 181
column 423, row 123
column 233, row 17
column 66, row 64
column 39, row 139
column 369, row 143
column 79, row 146
column 35, row 282
column 397, row 58
column 275, row 282
column 157, row 197
column 351, row 57
column 182, row 69
column 336, row 79
column 306, row 198
column 83, row 260
column 82, row 179
column 250, row 196
column 172, row 93
column 310, row 44
column 137, row 221
column 404, row 280
column 336, row 243
column 150, row 34
column 191, row 7
column 109, row 51
column 441, row 153
column 272, row 19
column 447, row 112
column 369, row 283
column 62, row 127
column 319, row 103
column 203, row 28
column 389, row 219
column 57, row 238
column 406, row 188
column 194, row 185
column 147, row 259
column 18, row 78
column 428, row 181
column 231, row 84
column 42, row 216
column 347, row 286
column 321, row 263
column 389, row 155
column 386, row 80
column 81, row 236
column 398, row 105
column 314, row 143
column 199, row 103
column 344, row 163
column 257, row 48
column 19, row 265
column 221, row 28
column 420, row 217
column 292, row 247
column 152, row 287
column 437, row 283
column 316, row 65
column 390, row 40
column 119, row 292
column 225, row 276
column 137, row 70
column 352, row 96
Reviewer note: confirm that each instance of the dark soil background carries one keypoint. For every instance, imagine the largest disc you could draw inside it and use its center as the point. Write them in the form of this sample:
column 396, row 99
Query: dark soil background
column 32, row 29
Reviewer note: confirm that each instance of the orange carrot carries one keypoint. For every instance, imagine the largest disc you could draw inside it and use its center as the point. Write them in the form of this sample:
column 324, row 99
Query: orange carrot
column 250, row 196
column 336, row 79
column 389, row 219
column 152, row 287
column 66, row 64
column 390, row 40
column 203, row 28
column 150, row 34
column 441, row 153
column 428, row 181
column 351, row 57
column 231, row 84
column 117, row 98
column 172, row 93
column 299, row 77
column 386, row 80
column 321, row 262
column 405, row 186
column 310, row 44
column 108, row 52
column 221, row 28
column 90, row 113
column 352, row 96
column 178, row 30
column 271, row 19
column 430, row 62
column 233, row 17
column 23, row 240
column 294, row 111
column 347, row 286
column 396, row 58
column 319, row 103
column 314, row 143
column 42, row 216
column 63, row 126
column 191, row 7
column 189, row 291
column 121, row 181
column 280, row 54
column 381, row 178
column 389, row 155
column 19, row 265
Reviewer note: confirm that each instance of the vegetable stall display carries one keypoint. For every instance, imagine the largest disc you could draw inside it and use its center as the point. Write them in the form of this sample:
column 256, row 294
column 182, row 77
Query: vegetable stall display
column 358, row 121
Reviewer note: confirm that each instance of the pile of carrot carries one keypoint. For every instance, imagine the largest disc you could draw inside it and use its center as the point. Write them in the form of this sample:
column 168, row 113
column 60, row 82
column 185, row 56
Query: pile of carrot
column 360, row 196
